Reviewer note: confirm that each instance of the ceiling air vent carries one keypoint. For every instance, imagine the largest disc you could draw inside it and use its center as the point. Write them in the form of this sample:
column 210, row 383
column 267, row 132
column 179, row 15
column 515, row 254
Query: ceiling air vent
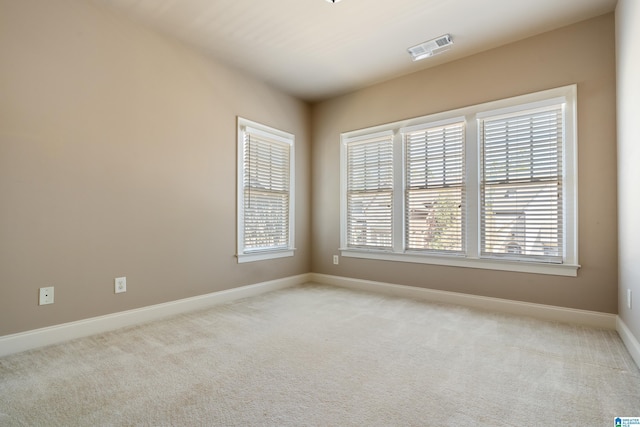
column 430, row 48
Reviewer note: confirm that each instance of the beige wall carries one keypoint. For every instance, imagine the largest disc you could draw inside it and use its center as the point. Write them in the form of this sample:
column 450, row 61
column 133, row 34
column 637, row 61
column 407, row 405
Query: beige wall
column 583, row 54
column 118, row 158
column 628, row 66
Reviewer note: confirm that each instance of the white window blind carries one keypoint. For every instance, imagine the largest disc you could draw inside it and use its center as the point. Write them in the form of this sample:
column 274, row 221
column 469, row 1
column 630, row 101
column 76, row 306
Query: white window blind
column 521, row 185
column 265, row 180
column 434, row 188
column 370, row 191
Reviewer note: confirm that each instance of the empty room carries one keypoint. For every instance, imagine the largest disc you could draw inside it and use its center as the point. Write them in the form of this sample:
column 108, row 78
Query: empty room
column 320, row 213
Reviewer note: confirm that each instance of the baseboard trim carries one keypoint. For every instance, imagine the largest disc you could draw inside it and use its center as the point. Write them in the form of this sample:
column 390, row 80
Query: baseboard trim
column 22, row 341
column 540, row 311
column 629, row 340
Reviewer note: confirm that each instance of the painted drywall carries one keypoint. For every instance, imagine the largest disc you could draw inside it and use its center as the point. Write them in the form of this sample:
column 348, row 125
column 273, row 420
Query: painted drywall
column 583, row 54
column 628, row 69
column 118, row 158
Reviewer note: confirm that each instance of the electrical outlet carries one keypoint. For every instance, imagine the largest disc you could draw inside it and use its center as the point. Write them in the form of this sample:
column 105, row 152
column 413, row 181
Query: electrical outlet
column 46, row 295
column 629, row 299
column 120, row 284
column 336, row 260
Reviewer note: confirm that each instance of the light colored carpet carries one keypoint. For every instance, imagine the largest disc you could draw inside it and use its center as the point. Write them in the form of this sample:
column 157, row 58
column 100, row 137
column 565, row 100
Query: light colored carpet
column 322, row 356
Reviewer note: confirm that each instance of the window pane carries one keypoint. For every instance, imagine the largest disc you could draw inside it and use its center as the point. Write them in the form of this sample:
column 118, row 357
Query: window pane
column 265, row 219
column 369, row 219
column 435, row 219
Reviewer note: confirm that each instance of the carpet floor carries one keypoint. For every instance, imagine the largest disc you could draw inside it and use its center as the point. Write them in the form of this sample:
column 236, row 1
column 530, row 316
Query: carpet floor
column 316, row 355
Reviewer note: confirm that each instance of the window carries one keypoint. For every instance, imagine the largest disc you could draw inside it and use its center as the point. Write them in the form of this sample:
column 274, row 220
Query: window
column 521, row 185
column 434, row 188
column 486, row 186
column 265, row 192
column 370, row 191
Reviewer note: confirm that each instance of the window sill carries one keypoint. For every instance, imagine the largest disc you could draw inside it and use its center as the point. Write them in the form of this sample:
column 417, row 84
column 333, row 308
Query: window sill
column 264, row 255
column 568, row 270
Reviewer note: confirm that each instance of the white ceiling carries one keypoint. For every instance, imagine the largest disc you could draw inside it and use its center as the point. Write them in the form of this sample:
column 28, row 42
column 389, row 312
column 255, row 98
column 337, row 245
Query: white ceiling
column 314, row 49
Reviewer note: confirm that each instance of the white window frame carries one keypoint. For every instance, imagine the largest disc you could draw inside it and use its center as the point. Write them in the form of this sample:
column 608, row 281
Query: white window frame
column 249, row 254
column 385, row 139
column 471, row 257
column 435, row 125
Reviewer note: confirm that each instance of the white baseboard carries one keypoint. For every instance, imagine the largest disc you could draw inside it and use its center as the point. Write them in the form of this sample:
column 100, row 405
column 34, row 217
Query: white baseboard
column 15, row 343
column 540, row 311
column 629, row 340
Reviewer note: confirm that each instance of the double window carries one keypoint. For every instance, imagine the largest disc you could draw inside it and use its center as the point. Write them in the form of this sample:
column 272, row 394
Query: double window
column 486, row 186
column 265, row 192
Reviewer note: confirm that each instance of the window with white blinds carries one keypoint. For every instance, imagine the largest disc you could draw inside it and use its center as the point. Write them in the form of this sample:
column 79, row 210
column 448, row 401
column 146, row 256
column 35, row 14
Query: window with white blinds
column 434, row 188
column 370, row 191
column 491, row 186
column 521, row 185
column 265, row 181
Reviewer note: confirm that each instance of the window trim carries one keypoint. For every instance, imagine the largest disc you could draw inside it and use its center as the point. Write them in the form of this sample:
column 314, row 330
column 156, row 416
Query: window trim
column 242, row 254
column 472, row 114
column 384, row 137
